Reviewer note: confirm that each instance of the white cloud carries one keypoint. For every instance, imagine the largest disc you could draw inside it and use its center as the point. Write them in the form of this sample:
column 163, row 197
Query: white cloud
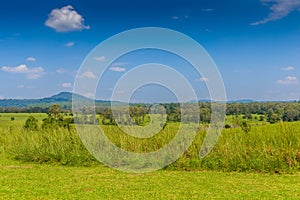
column 66, row 85
column 61, row 71
column 65, row 19
column 203, row 79
column 1, row 97
column 207, row 10
column 70, row 44
column 289, row 80
column 279, row 9
column 100, row 58
column 117, row 69
column 32, row 73
column 31, row 59
column 20, row 86
column 289, row 68
column 88, row 74
column 180, row 18
column 89, row 95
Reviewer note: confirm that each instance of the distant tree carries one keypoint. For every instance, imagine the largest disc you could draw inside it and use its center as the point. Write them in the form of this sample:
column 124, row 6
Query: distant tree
column 31, row 123
column 54, row 111
column 56, row 119
column 246, row 127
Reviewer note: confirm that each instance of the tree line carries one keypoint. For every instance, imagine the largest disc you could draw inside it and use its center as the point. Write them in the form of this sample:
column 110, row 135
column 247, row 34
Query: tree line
column 139, row 113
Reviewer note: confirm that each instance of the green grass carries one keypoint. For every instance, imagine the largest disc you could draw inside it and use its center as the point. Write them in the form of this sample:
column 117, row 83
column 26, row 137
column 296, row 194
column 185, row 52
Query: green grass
column 54, row 164
column 269, row 148
column 35, row 181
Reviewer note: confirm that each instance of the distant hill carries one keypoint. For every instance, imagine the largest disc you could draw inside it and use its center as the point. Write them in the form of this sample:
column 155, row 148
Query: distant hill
column 64, row 99
column 241, row 101
column 228, row 101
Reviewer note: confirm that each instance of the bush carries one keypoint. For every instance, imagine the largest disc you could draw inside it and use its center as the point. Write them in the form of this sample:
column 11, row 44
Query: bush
column 31, row 123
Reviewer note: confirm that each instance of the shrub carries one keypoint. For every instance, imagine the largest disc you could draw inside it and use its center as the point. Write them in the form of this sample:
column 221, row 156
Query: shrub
column 31, row 123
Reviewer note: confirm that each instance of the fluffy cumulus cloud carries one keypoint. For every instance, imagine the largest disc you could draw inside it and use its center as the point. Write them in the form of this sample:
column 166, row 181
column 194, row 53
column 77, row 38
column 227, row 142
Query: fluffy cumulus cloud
column 289, row 80
column 1, row 97
column 279, row 9
column 289, row 68
column 31, row 59
column 66, row 85
column 65, row 19
column 32, row 73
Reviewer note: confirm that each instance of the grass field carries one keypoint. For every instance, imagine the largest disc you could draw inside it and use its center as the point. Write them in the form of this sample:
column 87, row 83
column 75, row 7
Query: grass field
column 268, row 148
column 53, row 164
column 36, row 181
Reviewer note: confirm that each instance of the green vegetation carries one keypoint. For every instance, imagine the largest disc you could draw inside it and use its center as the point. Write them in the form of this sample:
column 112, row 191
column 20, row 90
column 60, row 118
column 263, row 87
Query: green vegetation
column 31, row 123
column 43, row 160
column 33, row 181
column 269, row 148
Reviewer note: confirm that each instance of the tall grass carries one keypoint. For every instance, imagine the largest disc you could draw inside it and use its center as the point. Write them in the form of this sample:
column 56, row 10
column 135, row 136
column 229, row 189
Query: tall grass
column 266, row 148
column 59, row 146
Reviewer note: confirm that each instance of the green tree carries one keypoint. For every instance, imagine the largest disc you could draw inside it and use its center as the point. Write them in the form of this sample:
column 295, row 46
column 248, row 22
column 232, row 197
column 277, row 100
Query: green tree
column 54, row 111
column 31, row 123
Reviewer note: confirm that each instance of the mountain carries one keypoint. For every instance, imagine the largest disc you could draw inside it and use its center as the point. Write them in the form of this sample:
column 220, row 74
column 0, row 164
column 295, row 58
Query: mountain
column 64, row 99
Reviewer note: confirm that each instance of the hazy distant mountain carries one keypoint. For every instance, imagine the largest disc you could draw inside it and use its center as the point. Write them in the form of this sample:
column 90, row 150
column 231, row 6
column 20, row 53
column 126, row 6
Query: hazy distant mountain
column 241, row 101
column 228, row 101
column 64, row 99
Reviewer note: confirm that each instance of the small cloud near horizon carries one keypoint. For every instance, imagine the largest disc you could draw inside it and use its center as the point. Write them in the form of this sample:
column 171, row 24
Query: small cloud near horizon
column 66, row 85
column 289, row 80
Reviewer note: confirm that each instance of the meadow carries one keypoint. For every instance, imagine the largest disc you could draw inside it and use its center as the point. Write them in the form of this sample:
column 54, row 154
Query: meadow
column 43, row 181
column 262, row 163
column 266, row 148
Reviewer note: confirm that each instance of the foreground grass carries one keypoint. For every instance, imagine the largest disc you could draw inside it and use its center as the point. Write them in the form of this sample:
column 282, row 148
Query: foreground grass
column 34, row 181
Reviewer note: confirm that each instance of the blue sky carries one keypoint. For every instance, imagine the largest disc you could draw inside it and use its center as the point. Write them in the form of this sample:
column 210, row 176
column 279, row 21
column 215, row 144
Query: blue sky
column 254, row 43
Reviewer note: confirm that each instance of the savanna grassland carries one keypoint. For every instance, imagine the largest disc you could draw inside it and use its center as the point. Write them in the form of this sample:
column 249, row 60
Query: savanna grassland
column 260, row 162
